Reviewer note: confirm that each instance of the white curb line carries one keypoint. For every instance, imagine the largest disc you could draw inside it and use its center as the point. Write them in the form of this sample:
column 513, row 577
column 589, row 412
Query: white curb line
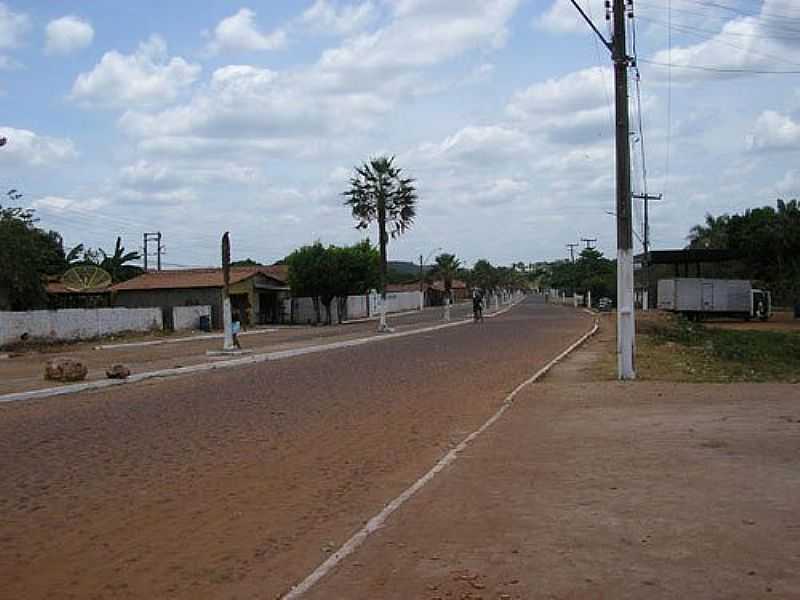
column 378, row 520
column 236, row 362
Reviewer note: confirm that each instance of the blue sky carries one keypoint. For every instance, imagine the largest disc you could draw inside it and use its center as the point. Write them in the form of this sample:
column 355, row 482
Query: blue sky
column 193, row 118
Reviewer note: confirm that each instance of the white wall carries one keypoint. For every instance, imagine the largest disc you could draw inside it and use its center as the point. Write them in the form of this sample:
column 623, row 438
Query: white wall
column 358, row 307
column 76, row 323
column 188, row 317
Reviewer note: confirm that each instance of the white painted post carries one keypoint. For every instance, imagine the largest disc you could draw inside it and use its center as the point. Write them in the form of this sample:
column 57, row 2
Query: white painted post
column 589, row 299
column 421, row 300
column 227, row 323
column 645, row 300
column 447, row 309
column 574, row 300
column 626, row 328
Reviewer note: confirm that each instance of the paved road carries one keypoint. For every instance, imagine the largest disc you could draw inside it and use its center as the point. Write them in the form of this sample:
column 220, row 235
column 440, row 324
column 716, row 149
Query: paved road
column 25, row 372
column 236, row 484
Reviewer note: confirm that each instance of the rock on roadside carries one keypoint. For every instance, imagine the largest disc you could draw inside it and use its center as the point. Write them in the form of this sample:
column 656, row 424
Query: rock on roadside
column 118, row 371
column 65, row 369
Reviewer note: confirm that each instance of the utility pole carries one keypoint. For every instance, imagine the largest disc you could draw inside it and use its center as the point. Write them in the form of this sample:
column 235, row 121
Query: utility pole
column 155, row 237
column 646, row 244
column 626, row 320
column 572, row 251
column 589, row 242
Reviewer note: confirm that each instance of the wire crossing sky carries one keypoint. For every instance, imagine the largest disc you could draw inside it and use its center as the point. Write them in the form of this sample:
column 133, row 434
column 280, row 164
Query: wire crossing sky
column 196, row 118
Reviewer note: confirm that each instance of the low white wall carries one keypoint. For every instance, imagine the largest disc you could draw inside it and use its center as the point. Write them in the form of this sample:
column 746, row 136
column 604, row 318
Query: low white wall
column 188, row 317
column 395, row 302
column 358, row 307
column 76, row 323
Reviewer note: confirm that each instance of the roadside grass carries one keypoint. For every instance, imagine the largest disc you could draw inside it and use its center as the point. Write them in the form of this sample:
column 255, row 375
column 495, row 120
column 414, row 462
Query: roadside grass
column 674, row 348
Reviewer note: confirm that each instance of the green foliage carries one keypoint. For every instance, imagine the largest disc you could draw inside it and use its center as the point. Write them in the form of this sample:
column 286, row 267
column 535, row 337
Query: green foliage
column 27, row 253
column 767, row 239
column 446, row 268
column 116, row 264
column 738, row 355
column 247, row 262
column 379, row 192
column 326, row 273
column 591, row 271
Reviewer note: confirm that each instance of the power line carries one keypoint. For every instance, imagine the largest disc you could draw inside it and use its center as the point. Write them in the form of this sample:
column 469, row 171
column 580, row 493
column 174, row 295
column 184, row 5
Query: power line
column 720, row 69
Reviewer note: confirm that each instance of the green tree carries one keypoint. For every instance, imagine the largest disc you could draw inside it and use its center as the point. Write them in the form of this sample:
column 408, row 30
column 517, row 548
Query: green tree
column 379, row 193
column 27, row 253
column 116, row 264
column 357, row 272
column 305, row 266
column 446, row 268
column 713, row 233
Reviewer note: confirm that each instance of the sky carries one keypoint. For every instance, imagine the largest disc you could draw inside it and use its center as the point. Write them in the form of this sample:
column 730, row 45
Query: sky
column 196, row 118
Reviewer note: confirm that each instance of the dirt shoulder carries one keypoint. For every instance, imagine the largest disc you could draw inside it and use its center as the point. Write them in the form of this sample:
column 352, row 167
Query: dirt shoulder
column 603, row 490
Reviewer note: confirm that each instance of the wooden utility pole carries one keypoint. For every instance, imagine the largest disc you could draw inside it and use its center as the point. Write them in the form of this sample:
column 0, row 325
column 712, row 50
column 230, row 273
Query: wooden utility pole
column 646, row 244
column 626, row 322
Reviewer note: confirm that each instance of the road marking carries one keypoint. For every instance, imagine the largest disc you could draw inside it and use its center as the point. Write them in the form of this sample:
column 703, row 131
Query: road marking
column 378, row 520
column 235, row 362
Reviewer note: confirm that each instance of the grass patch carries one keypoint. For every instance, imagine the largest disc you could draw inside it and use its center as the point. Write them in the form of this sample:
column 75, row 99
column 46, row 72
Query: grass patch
column 691, row 352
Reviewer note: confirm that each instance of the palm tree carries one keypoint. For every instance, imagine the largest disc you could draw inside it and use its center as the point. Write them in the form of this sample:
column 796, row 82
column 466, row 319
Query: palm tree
column 712, row 234
column 446, row 268
column 116, row 265
column 379, row 193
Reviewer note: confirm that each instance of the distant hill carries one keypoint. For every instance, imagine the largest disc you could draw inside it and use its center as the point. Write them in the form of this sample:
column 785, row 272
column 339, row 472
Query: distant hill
column 404, row 267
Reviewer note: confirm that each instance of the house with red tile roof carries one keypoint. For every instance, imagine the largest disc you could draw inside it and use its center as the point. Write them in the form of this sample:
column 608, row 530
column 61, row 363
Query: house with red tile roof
column 258, row 293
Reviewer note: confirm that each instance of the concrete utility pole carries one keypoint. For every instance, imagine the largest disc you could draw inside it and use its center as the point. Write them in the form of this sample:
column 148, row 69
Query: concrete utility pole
column 227, row 320
column 589, row 242
column 626, row 321
column 572, row 251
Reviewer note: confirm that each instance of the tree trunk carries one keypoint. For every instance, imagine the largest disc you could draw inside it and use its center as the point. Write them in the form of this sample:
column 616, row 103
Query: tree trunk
column 383, row 242
column 315, row 301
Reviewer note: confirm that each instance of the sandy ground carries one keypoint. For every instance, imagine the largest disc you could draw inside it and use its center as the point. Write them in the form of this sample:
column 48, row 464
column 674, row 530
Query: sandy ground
column 604, row 491
column 25, row 371
column 780, row 321
column 236, row 484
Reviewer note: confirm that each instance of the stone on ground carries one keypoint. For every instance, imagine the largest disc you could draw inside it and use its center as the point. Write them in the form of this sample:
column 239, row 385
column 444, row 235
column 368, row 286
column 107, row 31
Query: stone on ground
column 65, row 369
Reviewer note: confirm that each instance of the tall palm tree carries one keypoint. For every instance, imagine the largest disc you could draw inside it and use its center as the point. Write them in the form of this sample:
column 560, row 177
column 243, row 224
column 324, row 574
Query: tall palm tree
column 447, row 267
column 378, row 192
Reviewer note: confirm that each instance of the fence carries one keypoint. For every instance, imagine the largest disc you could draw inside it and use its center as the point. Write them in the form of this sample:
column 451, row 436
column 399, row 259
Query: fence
column 357, row 307
column 188, row 317
column 76, row 323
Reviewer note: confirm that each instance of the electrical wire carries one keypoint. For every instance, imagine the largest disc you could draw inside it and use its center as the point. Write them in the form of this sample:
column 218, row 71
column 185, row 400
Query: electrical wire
column 714, row 69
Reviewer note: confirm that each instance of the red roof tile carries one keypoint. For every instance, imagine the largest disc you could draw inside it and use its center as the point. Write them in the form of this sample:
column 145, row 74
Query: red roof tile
column 198, row 278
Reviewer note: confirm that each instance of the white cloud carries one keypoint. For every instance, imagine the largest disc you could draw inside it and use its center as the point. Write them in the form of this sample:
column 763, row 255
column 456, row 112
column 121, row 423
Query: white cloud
column 326, row 16
column 571, row 108
column 58, row 204
column 745, row 42
column 239, row 32
column 13, row 27
column 147, row 77
column 26, row 147
column 562, row 17
column 479, row 145
column 423, row 34
column 67, row 34
column 775, row 131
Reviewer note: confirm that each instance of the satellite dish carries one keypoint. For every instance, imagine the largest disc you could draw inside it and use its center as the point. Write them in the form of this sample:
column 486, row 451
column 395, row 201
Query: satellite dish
column 85, row 278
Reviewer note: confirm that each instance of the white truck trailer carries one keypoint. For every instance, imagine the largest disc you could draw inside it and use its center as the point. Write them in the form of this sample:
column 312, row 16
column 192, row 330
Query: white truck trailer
column 700, row 298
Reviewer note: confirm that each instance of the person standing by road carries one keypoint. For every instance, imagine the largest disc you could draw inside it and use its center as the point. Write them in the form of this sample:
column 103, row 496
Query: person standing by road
column 477, row 306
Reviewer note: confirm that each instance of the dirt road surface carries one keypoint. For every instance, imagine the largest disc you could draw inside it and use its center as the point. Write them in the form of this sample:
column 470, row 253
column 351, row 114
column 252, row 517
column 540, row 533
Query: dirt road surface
column 604, row 490
column 236, row 484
